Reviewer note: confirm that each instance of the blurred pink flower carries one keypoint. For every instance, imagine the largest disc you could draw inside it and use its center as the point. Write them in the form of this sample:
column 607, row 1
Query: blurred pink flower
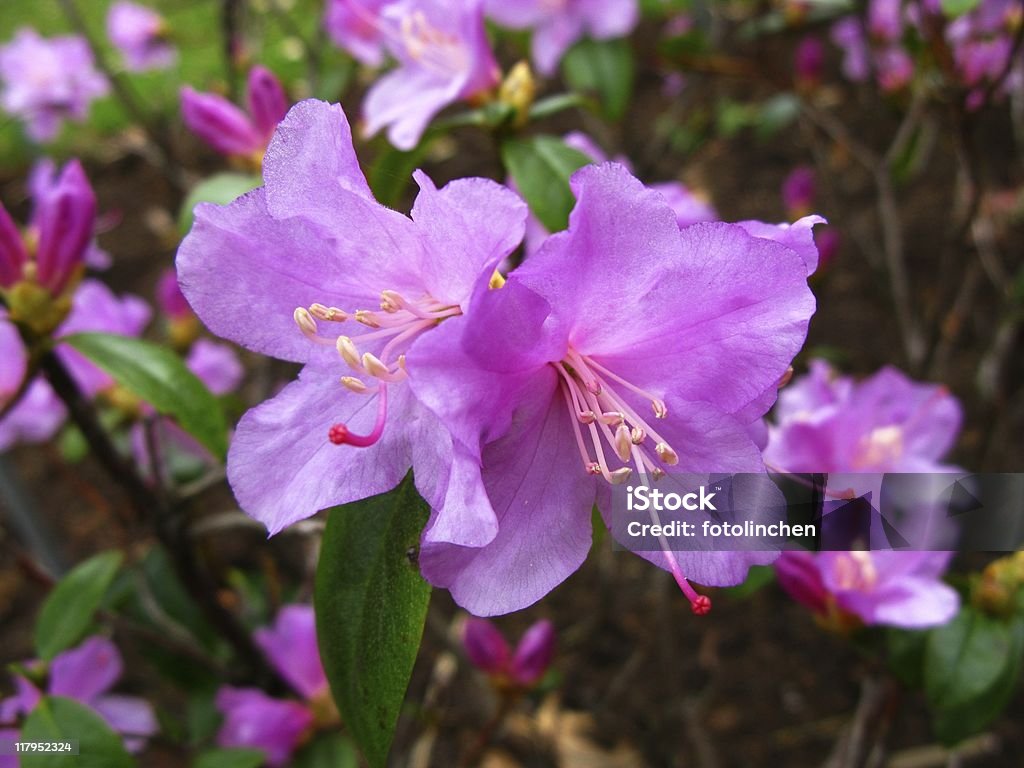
column 48, row 80
column 140, row 34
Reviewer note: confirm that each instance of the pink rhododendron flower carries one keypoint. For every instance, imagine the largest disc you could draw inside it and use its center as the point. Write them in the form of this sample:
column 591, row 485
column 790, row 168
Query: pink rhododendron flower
column 443, row 56
column 48, row 80
column 809, row 61
column 86, row 673
column 558, row 24
column 356, row 27
column 886, row 423
column 345, row 286
column 547, row 380
column 228, row 129
column 140, row 34
column 900, row 589
column 277, row 726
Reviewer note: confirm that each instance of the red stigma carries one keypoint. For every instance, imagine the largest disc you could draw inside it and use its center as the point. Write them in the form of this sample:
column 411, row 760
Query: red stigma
column 701, row 605
column 338, row 434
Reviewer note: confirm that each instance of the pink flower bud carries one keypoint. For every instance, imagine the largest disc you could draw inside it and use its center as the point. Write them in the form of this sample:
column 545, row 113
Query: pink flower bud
column 12, row 250
column 798, row 191
column 533, row 654
column 169, row 296
column 799, row 575
column 808, row 61
column 267, row 101
column 828, row 240
column 219, row 123
column 485, row 646
column 67, row 220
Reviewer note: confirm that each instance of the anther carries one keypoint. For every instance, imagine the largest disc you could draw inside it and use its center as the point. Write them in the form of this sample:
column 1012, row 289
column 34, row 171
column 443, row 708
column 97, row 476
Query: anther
column 666, row 454
column 354, row 384
column 623, row 442
column 619, row 476
column 374, row 366
column 349, row 353
column 328, row 314
column 637, row 436
column 612, row 418
column 594, row 387
column 305, row 321
column 587, row 417
column 391, row 301
column 593, row 468
column 367, row 318
column 660, row 411
column 657, row 473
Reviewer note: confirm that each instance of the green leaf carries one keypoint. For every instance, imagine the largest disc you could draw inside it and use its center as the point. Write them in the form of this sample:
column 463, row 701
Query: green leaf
column 230, row 758
column 970, row 672
column 370, row 607
column 68, row 610
column 328, row 751
column 58, row 719
column 162, row 379
column 605, row 68
column 955, row 8
column 221, row 188
column 392, row 171
column 906, row 650
column 541, row 167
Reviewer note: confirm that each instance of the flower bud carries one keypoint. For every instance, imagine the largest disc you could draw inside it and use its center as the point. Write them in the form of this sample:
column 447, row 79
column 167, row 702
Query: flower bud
column 169, row 297
column 485, row 646
column 808, row 62
column 219, row 123
column 800, row 576
column 67, row 220
column 12, row 250
column 267, row 102
column 533, row 654
column 798, row 191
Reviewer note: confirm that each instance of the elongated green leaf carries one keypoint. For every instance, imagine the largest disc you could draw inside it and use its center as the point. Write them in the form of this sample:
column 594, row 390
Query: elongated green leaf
column 162, row 379
column 541, row 167
column 69, row 608
column 954, row 8
column 220, row 188
column 58, row 719
column 370, row 607
column 328, row 751
column 605, row 68
column 970, row 672
column 231, row 758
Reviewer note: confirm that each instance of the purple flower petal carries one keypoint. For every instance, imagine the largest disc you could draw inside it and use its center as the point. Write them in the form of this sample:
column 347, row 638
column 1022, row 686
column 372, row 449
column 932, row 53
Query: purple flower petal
column 254, row 720
column 85, row 672
column 534, row 653
column 291, row 646
column 130, row 716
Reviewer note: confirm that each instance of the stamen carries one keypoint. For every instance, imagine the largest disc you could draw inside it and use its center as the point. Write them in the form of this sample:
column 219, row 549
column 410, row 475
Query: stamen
column 354, row 384
column 391, row 301
column 658, row 406
column 373, row 366
column 637, row 435
column 623, row 442
column 666, row 454
column 328, row 314
column 587, row 417
column 305, row 322
column 611, row 418
column 619, row 476
column 367, row 318
column 349, row 353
